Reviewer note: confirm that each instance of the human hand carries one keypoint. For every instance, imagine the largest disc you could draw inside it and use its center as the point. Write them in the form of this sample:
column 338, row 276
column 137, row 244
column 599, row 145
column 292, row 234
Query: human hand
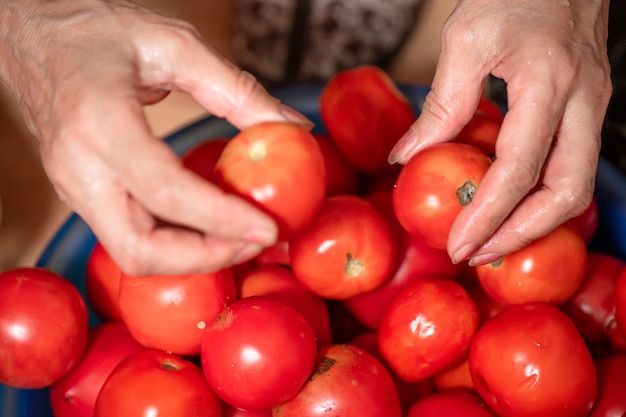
column 552, row 55
column 82, row 72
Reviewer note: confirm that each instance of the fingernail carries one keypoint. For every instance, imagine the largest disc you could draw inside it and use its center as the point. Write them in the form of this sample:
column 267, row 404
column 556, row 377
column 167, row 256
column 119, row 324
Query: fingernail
column 406, row 144
column 246, row 253
column 464, row 253
column 296, row 117
column 261, row 236
column 484, row 259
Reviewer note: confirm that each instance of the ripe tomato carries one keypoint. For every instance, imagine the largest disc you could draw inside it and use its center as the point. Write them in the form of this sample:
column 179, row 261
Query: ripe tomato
column 75, row 394
column 280, row 168
column 43, row 327
column 427, row 327
column 483, row 128
column 620, row 303
column 365, row 114
column 230, row 411
column 172, row 312
column 587, row 222
column 152, row 382
column 592, row 308
column 454, row 377
column 346, row 381
column 434, row 186
column 102, row 283
column 280, row 284
column 277, row 254
column 347, row 249
column 550, row 269
column 258, row 352
column 450, row 403
column 611, row 400
column 529, row 360
column 202, row 158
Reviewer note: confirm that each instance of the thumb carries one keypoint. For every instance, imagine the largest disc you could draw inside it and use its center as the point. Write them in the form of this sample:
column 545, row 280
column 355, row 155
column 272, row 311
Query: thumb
column 449, row 105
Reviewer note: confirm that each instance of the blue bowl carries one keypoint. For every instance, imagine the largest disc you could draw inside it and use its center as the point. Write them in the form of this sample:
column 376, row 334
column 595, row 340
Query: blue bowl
column 69, row 249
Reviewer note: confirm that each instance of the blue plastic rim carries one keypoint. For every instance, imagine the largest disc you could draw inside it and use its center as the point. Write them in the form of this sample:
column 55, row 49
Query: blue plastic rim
column 69, row 249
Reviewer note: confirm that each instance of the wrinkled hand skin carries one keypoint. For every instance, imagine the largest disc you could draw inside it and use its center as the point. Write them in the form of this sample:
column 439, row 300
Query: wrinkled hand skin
column 553, row 57
column 82, row 71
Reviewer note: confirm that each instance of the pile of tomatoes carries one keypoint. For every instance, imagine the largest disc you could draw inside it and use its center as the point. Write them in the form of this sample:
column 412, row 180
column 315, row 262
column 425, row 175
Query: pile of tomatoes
column 357, row 310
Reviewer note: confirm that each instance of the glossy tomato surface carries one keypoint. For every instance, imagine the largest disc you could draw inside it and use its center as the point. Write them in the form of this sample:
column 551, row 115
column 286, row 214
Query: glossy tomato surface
column 550, row 269
column 43, row 327
column 346, row 381
column 427, row 327
column 347, row 249
column 434, row 186
column 530, row 360
column 258, row 353
column 171, row 312
column 102, row 283
column 280, row 168
column 450, row 403
column 155, row 383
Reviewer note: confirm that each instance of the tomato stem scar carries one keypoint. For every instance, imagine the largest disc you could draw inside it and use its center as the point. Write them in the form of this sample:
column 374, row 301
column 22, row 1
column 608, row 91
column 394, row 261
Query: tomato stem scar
column 354, row 266
column 465, row 193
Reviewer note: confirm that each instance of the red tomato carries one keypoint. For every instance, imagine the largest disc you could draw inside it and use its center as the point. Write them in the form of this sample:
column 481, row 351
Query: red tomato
column 434, row 186
column 427, row 327
column 454, row 377
column 230, row 411
column 279, row 283
column 258, row 352
column 172, row 312
column 451, row 403
column 341, row 178
column 346, row 381
column 620, row 303
column 347, row 249
column 202, row 158
column 611, row 400
column 550, row 269
column 592, row 308
column 365, row 114
column 102, row 283
column 155, row 383
column 43, row 327
column 280, row 168
column 408, row 392
column 75, row 394
column 530, row 360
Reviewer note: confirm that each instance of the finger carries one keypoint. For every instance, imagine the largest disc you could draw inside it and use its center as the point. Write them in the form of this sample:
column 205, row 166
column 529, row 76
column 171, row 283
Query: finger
column 567, row 183
column 455, row 92
column 523, row 145
column 146, row 249
column 215, row 83
column 156, row 178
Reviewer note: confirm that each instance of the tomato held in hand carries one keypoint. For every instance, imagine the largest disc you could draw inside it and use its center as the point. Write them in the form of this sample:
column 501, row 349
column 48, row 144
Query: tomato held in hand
column 280, row 168
column 530, row 360
column 155, row 383
column 434, row 186
column 550, row 269
column 347, row 249
column 258, row 352
column 346, row 381
column 75, row 394
column 427, row 327
column 43, row 327
column 171, row 312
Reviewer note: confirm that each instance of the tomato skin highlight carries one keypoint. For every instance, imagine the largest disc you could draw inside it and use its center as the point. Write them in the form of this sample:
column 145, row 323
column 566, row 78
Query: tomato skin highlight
column 522, row 364
column 43, row 327
column 348, row 249
column 427, row 327
column 258, row 353
column 278, row 167
column 426, row 194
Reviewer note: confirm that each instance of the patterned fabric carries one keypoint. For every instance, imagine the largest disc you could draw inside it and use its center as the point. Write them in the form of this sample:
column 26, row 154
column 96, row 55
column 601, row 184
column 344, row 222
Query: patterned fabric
column 298, row 41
